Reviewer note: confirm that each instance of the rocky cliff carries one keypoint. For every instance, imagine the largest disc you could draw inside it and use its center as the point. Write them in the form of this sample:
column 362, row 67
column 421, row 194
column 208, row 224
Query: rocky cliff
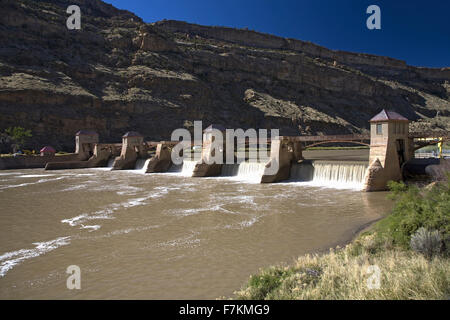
column 118, row 73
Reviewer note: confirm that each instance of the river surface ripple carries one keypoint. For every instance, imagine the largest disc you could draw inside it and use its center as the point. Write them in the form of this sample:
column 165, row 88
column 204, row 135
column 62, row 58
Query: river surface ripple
column 161, row 236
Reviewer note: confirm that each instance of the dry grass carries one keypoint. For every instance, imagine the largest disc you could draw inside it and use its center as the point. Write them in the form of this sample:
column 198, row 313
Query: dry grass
column 343, row 274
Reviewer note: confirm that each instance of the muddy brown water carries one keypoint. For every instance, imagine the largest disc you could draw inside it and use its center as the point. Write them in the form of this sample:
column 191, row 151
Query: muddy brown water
column 161, row 236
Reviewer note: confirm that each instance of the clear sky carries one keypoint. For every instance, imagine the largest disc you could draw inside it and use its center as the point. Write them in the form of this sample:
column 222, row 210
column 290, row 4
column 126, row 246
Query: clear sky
column 415, row 31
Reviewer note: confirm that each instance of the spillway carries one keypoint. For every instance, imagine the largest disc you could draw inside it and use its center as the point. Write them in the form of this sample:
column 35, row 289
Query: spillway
column 111, row 162
column 334, row 174
column 247, row 171
column 185, row 169
column 141, row 165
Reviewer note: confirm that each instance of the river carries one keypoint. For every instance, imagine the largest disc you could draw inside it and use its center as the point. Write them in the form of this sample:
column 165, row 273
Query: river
column 163, row 236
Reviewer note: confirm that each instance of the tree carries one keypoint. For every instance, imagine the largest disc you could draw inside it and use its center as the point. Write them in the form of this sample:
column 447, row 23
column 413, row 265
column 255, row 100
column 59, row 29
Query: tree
column 5, row 143
column 19, row 136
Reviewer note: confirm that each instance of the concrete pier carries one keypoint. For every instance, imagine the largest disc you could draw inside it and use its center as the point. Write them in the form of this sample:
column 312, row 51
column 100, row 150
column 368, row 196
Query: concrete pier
column 132, row 149
column 212, row 151
column 85, row 141
column 161, row 161
column 283, row 152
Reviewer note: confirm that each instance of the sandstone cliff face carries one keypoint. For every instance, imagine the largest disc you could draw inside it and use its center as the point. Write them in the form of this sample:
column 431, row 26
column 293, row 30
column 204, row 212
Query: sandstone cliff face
column 119, row 74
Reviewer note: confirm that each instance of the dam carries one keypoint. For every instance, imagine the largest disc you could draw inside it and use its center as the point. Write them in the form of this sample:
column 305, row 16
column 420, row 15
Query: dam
column 390, row 144
column 336, row 174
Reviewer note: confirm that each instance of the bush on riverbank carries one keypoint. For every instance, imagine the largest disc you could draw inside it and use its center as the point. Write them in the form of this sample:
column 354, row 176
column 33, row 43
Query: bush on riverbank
column 415, row 208
column 344, row 273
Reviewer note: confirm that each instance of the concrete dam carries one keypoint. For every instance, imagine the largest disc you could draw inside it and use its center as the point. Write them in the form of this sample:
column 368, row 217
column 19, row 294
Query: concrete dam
column 391, row 148
column 339, row 174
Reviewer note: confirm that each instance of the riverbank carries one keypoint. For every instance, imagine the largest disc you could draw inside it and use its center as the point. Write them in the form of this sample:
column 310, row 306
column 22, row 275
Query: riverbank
column 380, row 263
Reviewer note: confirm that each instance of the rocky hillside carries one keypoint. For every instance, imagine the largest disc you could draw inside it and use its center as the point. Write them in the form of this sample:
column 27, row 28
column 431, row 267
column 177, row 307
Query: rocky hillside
column 119, row 74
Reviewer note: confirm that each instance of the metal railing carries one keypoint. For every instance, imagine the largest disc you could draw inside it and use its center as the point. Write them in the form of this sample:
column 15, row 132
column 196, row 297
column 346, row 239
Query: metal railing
column 424, row 155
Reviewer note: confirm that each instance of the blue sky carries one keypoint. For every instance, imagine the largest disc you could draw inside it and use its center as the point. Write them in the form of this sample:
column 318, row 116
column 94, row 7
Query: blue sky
column 415, row 31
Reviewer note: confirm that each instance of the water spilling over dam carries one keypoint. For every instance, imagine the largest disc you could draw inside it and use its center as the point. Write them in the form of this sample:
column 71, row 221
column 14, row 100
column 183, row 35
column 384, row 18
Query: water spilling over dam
column 185, row 169
column 245, row 171
column 332, row 174
column 321, row 173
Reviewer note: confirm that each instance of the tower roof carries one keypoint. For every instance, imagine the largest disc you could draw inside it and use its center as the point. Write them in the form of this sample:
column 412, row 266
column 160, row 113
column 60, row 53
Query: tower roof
column 388, row 115
column 132, row 134
column 48, row 149
column 86, row 133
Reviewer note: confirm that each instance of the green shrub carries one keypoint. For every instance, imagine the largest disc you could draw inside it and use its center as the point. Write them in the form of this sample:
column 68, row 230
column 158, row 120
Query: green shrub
column 19, row 136
column 266, row 282
column 426, row 242
column 415, row 208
